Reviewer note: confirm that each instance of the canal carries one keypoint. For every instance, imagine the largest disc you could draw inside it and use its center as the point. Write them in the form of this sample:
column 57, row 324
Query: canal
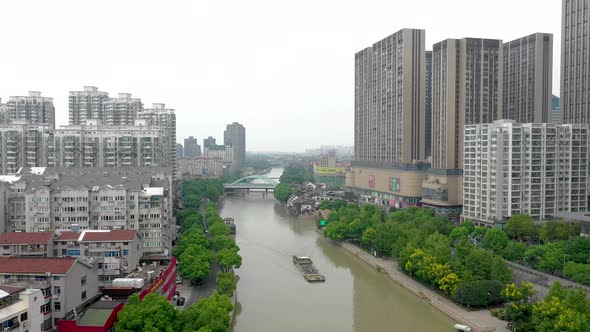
column 273, row 296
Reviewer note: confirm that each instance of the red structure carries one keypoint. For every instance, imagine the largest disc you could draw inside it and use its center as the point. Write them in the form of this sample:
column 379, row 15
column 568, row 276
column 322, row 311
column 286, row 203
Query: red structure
column 93, row 319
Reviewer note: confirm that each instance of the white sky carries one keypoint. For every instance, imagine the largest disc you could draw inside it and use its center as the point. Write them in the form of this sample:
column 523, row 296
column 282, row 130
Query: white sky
column 284, row 69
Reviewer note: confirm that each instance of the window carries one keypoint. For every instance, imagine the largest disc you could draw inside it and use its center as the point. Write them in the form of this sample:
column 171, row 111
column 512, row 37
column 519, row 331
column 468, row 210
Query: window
column 83, row 282
column 83, row 295
column 46, row 308
column 56, row 278
column 57, row 306
column 24, row 317
column 125, row 252
column 57, row 290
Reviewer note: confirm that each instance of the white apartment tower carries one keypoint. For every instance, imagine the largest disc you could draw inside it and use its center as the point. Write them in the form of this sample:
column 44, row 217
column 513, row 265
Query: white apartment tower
column 165, row 118
column 513, row 168
column 86, row 105
column 122, row 110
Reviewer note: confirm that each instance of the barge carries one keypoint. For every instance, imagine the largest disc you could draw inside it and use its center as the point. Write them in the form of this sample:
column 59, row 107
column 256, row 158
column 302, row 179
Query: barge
column 308, row 270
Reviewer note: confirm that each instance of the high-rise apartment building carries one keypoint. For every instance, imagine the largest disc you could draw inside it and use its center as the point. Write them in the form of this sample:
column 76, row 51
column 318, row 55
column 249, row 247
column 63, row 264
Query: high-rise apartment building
column 3, row 112
column 513, row 168
column 390, row 120
column 88, row 104
column 555, row 110
column 23, row 145
column 165, row 118
column 94, row 145
column 34, row 109
column 575, row 61
column 191, row 147
column 235, row 135
column 209, row 141
column 428, row 106
column 528, row 73
column 466, row 89
column 389, row 99
column 122, row 110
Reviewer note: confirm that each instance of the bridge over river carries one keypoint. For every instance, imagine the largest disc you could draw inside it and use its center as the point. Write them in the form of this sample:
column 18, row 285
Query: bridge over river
column 253, row 182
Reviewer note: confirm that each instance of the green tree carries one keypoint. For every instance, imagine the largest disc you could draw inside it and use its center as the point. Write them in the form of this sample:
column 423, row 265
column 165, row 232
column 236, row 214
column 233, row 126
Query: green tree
column 578, row 272
column 514, row 251
column 438, row 246
column 495, row 240
column 208, row 314
column 195, row 262
column 220, row 242
column 153, row 314
column 282, row 192
column 212, row 193
column 368, row 236
column 553, row 230
column 218, row 228
column 228, row 259
column 521, row 227
column 336, row 231
column 226, row 283
column 459, row 233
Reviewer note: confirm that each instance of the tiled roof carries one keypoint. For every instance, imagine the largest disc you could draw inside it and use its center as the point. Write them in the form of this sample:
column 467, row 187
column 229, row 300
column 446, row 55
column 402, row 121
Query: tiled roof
column 26, row 238
column 114, row 235
column 68, row 236
column 35, row 265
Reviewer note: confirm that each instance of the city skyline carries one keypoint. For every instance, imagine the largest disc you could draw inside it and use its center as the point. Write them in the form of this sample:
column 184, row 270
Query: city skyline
column 193, row 82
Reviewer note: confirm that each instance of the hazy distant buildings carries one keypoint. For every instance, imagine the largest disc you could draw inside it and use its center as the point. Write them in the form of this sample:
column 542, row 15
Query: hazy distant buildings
column 528, row 72
column 428, row 105
column 191, row 148
column 389, row 138
column 235, row 135
column 575, row 61
column 122, row 110
column 179, row 151
column 200, row 167
column 209, row 141
column 555, row 110
column 328, row 159
column 34, row 109
column 513, row 168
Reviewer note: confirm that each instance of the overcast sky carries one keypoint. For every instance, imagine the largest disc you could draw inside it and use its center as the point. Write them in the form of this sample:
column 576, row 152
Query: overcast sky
column 284, row 69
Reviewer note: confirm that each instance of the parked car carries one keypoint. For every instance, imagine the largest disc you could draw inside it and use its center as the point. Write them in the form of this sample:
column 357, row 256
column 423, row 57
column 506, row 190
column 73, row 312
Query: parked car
column 180, row 301
column 177, row 293
column 179, row 281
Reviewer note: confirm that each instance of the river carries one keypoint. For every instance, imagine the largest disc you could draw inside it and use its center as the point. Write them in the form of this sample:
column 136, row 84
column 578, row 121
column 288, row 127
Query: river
column 273, row 296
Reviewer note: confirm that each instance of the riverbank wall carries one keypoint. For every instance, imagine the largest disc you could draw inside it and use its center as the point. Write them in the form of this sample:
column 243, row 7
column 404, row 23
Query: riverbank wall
column 479, row 321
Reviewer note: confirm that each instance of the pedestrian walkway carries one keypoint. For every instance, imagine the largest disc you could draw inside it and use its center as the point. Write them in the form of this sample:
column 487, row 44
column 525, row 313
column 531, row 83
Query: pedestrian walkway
column 479, row 320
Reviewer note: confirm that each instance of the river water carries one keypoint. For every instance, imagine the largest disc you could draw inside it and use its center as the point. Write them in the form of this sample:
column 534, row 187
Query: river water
column 273, row 296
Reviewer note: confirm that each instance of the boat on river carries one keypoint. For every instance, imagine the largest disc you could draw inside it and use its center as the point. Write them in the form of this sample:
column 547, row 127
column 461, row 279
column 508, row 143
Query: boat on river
column 307, row 269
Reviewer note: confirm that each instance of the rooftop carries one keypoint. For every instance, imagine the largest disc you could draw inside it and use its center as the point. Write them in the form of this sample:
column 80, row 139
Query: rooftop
column 26, row 238
column 113, row 235
column 98, row 313
column 35, row 265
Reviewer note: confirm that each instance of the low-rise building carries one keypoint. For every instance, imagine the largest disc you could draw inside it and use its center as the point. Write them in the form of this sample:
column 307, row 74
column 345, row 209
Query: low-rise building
column 65, row 283
column 26, row 244
column 20, row 309
column 116, row 252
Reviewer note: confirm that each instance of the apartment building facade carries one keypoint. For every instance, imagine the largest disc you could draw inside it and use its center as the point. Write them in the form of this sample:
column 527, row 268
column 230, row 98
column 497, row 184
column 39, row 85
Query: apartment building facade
column 165, row 119
column 25, row 244
column 88, row 104
column 191, row 147
column 528, row 74
column 235, row 136
column 139, row 199
column 34, row 109
column 199, row 166
column 115, row 252
column 575, row 61
column 20, row 309
column 513, row 168
column 65, row 283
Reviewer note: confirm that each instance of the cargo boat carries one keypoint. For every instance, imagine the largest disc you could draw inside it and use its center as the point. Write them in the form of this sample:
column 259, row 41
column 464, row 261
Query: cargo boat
column 309, row 272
